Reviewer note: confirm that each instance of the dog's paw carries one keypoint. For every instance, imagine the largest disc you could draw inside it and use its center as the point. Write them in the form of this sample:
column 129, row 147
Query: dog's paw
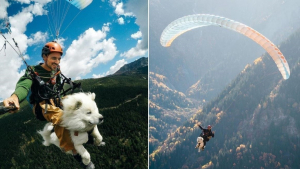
column 101, row 144
column 86, row 158
column 97, row 142
column 46, row 143
column 90, row 166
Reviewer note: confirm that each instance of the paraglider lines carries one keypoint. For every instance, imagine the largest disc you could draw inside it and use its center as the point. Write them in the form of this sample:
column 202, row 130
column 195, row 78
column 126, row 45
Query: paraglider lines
column 70, row 22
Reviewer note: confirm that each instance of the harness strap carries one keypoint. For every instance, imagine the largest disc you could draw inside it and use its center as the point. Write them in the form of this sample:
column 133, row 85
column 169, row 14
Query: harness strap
column 46, row 107
column 52, row 80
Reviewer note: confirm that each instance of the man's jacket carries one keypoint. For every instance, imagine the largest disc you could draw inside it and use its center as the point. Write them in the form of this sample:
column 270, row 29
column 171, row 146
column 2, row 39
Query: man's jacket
column 206, row 134
column 25, row 84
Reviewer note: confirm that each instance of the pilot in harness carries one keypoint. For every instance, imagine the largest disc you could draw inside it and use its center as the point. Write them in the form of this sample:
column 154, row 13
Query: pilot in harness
column 45, row 86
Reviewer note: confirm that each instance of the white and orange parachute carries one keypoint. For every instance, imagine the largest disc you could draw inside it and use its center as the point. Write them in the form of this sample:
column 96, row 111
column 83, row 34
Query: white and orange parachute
column 186, row 23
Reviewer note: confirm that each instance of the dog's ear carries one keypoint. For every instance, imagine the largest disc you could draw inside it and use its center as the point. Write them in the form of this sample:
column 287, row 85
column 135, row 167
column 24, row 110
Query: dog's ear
column 78, row 104
column 92, row 96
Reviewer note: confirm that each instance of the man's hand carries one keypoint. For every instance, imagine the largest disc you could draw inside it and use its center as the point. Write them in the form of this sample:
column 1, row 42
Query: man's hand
column 13, row 100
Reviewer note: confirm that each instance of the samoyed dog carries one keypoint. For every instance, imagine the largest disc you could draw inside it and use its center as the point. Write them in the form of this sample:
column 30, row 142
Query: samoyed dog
column 200, row 143
column 80, row 115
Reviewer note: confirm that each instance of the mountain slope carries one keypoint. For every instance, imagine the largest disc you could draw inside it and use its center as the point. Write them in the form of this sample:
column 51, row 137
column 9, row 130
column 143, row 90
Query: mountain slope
column 121, row 99
column 169, row 109
column 256, row 120
column 138, row 66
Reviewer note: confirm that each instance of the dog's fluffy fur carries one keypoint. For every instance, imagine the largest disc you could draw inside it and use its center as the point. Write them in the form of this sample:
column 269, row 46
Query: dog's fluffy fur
column 200, row 143
column 80, row 114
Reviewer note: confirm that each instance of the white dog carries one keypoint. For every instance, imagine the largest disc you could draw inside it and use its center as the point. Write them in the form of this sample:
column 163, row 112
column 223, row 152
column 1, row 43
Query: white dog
column 200, row 144
column 80, row 115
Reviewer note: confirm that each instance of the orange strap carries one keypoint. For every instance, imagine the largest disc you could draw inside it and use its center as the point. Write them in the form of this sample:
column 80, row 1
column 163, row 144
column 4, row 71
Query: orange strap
column 53, row 79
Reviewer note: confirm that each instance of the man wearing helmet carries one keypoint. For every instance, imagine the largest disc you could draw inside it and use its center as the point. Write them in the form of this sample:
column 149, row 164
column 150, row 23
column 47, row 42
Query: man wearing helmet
column 206, row 134
column 51, row 54
column 44, row 109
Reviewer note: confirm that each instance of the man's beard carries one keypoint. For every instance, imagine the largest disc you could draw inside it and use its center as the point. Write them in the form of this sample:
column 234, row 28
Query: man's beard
column 50, row 66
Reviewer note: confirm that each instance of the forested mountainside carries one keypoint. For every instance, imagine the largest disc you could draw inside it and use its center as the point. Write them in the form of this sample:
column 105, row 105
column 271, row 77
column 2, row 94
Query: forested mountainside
column 168, row 109
column 122, row 100
column 256, row 120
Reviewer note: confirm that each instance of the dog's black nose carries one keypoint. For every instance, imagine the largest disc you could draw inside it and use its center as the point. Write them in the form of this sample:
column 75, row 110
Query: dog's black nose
column 101, row 118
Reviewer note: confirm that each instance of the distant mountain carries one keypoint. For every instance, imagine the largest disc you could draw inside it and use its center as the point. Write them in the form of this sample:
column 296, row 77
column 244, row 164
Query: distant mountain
column 138, row 66
column 256, row 120
column 121, row 99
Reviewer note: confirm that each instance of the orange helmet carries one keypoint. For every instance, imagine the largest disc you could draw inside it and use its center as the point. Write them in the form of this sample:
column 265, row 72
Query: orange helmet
column 51, row 47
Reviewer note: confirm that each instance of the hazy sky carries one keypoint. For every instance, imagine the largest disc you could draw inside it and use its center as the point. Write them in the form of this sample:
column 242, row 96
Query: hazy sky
column 202, row 51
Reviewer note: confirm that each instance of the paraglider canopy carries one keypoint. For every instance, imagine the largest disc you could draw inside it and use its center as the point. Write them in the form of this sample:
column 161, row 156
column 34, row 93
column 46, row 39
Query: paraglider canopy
column 80, row 4
column 187, row 23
